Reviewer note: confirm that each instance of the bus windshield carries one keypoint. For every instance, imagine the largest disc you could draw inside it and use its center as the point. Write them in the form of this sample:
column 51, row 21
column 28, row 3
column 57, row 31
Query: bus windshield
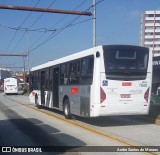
column 126, row 63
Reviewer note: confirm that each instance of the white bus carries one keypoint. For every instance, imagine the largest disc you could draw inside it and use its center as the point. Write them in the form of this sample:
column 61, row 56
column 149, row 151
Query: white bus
column 104, row 80
column 13, row 86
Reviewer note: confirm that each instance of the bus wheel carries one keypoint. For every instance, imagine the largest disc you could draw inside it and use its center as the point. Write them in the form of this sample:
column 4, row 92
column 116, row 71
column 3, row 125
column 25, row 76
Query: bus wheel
column 37, row 102
column 66, row 109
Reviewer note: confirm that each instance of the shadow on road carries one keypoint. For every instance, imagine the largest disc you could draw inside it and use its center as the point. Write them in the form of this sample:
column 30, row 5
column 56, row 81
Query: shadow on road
column 19, row 131
column 105, row 121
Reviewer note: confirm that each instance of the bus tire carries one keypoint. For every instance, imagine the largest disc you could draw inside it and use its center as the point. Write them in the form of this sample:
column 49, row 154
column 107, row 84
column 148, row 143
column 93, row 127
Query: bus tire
column 36, row 102
column 66, row 109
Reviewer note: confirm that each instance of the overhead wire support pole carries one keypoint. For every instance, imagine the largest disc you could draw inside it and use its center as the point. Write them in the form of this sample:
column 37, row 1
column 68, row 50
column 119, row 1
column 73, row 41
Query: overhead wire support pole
column 45, row 10
column 94, row 23
column 27, row 41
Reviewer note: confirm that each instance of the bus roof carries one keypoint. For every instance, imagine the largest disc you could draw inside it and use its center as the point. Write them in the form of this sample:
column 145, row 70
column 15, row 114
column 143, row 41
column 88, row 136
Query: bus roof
column 10, row 78
column 68, row 58
column 80, row 54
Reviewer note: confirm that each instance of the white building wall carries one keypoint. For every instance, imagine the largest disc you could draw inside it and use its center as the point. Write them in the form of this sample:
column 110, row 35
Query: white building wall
column 150, row 31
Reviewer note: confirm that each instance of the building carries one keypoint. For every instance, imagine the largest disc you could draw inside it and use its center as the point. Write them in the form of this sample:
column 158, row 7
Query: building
column 150, row 31
column 150, row 37
column 21, row 76
column 4, row 73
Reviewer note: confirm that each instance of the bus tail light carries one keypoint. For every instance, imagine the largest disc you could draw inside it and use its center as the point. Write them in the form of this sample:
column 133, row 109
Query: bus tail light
column 102, row 95
column 146, row 95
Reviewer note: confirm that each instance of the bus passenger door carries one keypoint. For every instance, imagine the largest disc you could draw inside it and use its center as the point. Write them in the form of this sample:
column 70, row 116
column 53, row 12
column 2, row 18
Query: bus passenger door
column 42, row 87
column 56, row 87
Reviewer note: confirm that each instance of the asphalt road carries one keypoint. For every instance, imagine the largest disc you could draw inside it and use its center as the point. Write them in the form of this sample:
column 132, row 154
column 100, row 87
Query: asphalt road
column 23, row 126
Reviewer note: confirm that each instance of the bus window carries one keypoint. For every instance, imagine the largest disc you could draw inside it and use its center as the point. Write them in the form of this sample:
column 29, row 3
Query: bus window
column 126, row 63
column 87, row 70
column 74, row 71
column 63, row 74
column 48, row 79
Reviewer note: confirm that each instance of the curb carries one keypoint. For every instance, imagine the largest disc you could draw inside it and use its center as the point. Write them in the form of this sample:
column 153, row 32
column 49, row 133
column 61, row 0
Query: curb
column 157, row 121
column 151, row 120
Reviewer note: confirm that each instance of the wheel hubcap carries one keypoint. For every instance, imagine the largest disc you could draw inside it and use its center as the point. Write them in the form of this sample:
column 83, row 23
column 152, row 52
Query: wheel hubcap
column 66, row 109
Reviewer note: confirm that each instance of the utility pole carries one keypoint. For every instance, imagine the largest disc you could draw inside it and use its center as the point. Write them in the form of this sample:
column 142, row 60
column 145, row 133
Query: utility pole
column 24, row 72
column 94, row 23
column 27, row 45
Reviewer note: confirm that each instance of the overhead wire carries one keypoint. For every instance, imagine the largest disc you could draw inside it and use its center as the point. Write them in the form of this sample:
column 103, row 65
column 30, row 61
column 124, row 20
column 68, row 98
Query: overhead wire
column 14, row 36
column 19, row 26
column 21, row 38
column 18, row 43
column 27, row 29
column 40, row 29
column 54, row 33
column 42, row 14
column 60, row 29
column 63, row 28
column 59, row 21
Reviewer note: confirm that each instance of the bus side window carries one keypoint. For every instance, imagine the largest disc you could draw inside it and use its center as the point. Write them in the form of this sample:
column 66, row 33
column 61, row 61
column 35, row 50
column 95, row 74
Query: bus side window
column 63, row 74
column 30, row 82
column 87, row 70
column 48, row 79
column 35, row 79
column 38, row 79
column 74, row 71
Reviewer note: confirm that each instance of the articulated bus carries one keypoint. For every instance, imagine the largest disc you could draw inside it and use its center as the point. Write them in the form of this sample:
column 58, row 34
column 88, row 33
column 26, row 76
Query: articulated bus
column 104, row 80
column 13, row 86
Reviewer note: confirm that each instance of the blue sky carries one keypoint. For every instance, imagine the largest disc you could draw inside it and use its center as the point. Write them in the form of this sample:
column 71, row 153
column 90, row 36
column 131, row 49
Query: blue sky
column 118, row 22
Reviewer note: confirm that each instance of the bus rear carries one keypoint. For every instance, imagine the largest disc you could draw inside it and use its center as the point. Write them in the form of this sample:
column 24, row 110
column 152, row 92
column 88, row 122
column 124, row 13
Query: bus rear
column 125, row 80
column 10, row 86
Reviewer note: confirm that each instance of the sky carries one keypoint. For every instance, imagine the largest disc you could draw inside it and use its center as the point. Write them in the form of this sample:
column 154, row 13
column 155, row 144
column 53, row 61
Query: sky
column 48, row 36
